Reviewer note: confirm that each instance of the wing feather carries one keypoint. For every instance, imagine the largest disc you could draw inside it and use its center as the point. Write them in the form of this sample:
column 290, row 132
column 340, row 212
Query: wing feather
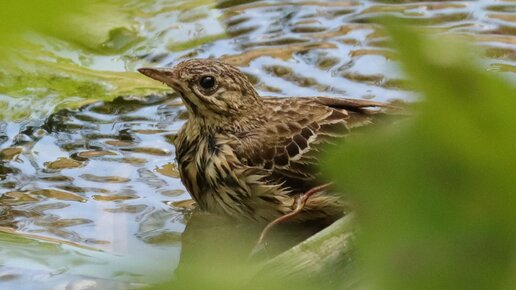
column 288, row 145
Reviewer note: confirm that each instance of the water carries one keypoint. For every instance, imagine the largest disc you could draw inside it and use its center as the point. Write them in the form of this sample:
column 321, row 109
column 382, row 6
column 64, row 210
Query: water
column 93, row 193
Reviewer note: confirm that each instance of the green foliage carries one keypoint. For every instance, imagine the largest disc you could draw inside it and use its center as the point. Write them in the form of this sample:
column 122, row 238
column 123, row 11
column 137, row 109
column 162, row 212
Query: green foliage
column 60, row 83
column 49, row 51
column 36, row 76
column 96, row 25
column 436, row 196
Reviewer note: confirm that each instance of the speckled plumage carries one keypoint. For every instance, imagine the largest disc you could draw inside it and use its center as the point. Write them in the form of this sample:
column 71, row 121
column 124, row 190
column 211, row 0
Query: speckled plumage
column 248, row 156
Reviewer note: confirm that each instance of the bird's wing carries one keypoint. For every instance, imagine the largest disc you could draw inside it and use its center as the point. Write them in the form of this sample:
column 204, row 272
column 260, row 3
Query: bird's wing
column 296, row 131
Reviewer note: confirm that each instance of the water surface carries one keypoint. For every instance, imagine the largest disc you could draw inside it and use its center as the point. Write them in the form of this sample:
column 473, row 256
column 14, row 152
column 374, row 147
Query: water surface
column 94, row 192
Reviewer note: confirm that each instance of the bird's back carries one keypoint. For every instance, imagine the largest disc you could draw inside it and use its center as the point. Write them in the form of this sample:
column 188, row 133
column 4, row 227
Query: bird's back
column 297, row 130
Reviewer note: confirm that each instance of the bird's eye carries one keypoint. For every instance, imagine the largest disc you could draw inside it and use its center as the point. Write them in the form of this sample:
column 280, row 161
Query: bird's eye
column 207, row 82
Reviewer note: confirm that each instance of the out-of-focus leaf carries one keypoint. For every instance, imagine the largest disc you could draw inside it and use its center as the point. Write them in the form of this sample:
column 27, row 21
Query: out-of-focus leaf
column 31, row 74
column 27, row 81
column 60, row 53
column 436, row 197
column 101, row 26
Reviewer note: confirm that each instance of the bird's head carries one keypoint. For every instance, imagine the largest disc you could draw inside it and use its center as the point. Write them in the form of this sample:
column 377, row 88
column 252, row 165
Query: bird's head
column 209, row 88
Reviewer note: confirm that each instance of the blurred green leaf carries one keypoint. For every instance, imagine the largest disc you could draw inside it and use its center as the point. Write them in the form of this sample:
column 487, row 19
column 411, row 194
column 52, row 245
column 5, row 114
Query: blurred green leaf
column 436, row 196
column 101, row 26
column 37, row 76
column 51, row 51
column 33, row 83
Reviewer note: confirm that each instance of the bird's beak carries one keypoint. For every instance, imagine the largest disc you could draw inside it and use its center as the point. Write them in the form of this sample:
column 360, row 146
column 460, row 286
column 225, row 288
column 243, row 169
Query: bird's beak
column 160, row 74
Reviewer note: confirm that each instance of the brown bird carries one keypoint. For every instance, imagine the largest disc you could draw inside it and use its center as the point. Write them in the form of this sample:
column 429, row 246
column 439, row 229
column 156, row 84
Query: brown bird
column 252, row 157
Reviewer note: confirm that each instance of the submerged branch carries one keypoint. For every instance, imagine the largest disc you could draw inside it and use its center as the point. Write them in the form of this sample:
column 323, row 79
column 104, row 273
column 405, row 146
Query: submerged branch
column 324, row 256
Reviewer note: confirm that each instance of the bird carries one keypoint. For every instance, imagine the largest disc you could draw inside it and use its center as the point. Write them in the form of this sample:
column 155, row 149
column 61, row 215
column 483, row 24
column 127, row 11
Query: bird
column 253, row 157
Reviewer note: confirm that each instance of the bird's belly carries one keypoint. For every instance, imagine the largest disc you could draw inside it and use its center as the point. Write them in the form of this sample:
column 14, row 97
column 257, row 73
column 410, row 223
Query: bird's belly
column 205, row 178
column 220, row 184
column 219, row 189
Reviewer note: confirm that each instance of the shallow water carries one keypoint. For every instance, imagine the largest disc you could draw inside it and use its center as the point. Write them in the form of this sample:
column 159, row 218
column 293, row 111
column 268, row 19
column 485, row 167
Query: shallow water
column 94, row 192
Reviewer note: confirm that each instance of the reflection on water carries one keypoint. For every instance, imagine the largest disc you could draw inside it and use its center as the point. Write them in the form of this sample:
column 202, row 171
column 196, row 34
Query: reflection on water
column 104, row 176
column 100, row 177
